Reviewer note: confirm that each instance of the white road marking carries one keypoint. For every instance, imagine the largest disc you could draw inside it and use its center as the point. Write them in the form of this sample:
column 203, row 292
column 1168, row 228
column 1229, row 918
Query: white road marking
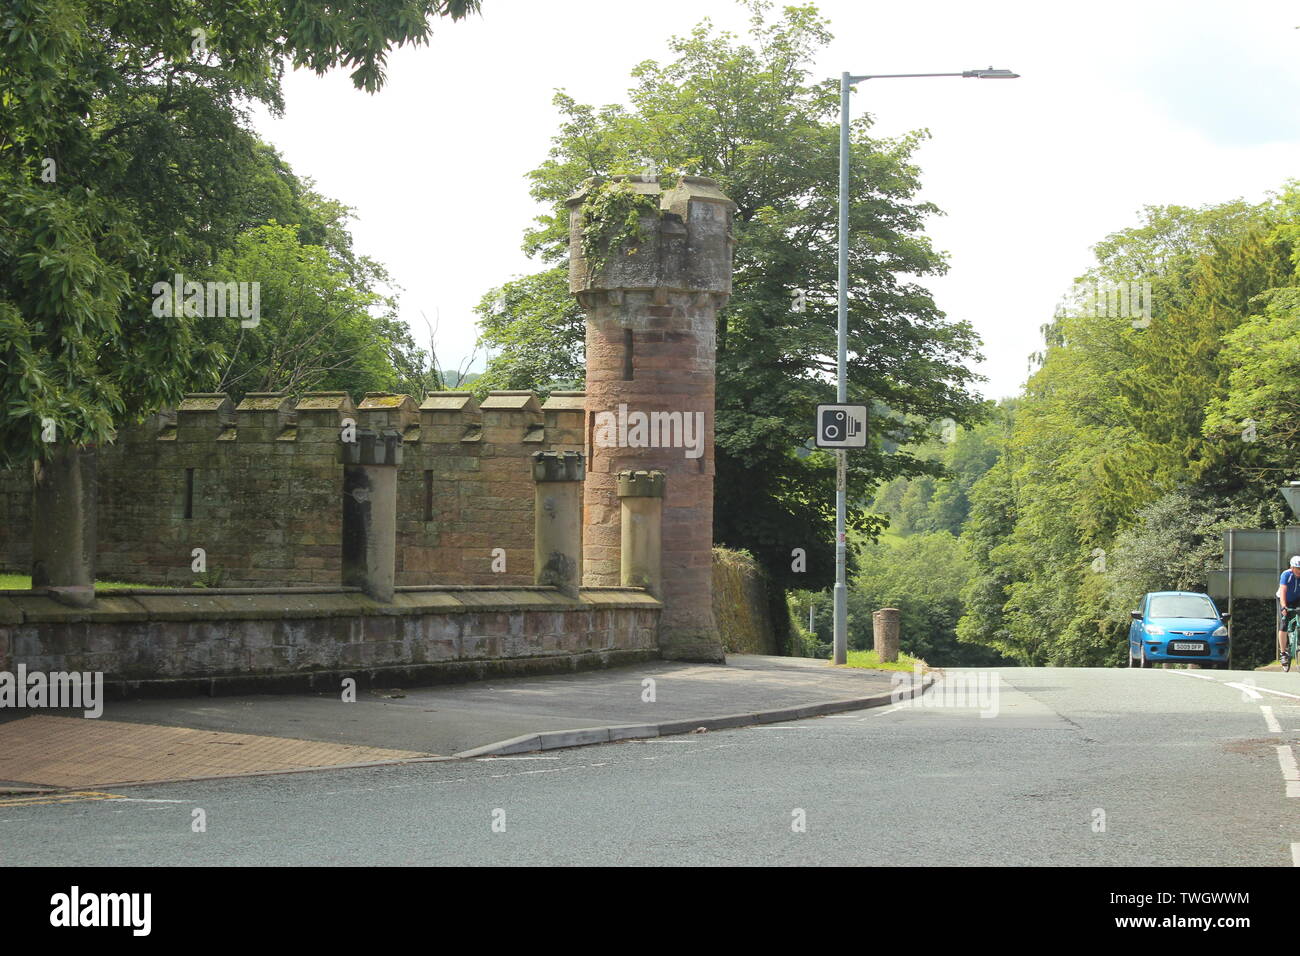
column 143, row 800
column 1290, row 773
column 887, row 710
column 1295, row 854
column 1269, row 719
column 1279, row 693
column 516, row 758
column 1286, row 759
column 1194, row 674
column 780, row 727
column 1246, row 689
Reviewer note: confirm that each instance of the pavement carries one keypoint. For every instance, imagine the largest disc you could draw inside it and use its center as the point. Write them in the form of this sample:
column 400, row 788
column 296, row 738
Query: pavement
column 153, row 741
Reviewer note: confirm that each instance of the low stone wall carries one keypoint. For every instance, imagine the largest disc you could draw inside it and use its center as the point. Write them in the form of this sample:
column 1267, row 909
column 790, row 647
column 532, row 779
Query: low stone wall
column 150, row 642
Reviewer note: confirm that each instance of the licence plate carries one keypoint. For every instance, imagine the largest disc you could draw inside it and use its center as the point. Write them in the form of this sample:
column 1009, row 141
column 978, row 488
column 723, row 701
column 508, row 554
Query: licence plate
column 1186, row 646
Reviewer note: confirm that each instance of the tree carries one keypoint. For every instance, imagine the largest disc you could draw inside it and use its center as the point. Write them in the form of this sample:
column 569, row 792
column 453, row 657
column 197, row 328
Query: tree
column 1123, row 413
column 538, row 327
column 923, row 576
column 318, row 329
column 125, row 158
column 748, row 115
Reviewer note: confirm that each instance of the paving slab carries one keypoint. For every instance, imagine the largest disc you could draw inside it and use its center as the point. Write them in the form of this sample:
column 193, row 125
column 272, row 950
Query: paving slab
column 77, row 752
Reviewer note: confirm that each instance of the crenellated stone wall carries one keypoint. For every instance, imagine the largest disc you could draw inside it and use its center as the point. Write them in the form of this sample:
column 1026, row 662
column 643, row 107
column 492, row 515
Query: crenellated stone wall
column 257, row 486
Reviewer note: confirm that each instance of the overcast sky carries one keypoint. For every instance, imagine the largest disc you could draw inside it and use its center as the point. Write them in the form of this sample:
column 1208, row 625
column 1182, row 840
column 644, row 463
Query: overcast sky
column 1120, row 104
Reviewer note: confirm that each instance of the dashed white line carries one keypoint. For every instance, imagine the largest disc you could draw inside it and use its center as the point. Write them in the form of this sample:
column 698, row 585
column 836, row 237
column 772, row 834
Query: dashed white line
column 1295, row 854
column 1269, row 719
column 1290, row 773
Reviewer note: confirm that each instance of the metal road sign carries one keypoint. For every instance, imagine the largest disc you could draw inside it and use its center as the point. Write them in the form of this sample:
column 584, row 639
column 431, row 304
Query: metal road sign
column 841, row 426
column 1254, row 560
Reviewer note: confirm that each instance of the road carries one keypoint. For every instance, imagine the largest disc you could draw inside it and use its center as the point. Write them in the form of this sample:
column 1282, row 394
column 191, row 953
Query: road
column 1088, row 766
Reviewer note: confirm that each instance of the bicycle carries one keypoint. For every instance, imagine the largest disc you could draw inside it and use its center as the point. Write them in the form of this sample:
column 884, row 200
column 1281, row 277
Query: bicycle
column 1291, row 620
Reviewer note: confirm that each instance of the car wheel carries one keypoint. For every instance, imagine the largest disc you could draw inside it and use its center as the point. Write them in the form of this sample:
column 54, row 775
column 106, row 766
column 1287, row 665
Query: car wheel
column 1144, row 661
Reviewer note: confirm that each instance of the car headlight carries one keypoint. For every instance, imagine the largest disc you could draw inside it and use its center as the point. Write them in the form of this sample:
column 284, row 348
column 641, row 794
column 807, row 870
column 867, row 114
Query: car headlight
column 1221, row 632
column 1152, row 629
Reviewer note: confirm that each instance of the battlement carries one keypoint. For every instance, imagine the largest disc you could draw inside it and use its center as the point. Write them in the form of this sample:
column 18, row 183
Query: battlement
column 685, row 246
column 256, row 487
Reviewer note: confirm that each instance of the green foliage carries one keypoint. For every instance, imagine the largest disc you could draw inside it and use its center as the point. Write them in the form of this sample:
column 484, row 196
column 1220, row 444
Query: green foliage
column 929, row 503
column 922, row 575
column 1129, row 445
column 319, row 330
column 125, row 158
column 537, row 327
column 611, row 222
column 1171, row 544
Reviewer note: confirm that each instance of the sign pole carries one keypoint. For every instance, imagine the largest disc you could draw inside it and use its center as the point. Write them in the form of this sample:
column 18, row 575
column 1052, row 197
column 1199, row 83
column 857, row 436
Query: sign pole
column 841, row 589
column 841, row 645
column 1231, row 616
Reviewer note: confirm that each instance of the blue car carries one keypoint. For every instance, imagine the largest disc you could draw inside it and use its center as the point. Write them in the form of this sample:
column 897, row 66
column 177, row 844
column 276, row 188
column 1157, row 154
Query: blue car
column 1178, row 626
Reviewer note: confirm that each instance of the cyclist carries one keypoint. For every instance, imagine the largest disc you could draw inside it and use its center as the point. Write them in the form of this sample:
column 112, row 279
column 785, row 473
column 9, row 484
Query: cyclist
column 1288, row 599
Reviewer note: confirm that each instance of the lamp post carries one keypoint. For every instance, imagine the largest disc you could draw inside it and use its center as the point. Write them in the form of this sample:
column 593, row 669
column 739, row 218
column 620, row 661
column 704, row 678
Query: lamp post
column 841, row 635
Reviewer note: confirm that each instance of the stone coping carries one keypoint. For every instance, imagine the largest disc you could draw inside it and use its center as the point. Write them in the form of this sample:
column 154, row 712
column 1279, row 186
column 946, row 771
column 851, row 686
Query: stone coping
column 251, row 604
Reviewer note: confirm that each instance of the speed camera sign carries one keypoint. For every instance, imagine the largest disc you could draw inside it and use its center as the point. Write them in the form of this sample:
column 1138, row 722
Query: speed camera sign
column 841, row 426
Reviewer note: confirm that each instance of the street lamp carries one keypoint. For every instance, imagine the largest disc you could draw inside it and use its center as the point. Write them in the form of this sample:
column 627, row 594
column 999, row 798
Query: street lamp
column 847, row 80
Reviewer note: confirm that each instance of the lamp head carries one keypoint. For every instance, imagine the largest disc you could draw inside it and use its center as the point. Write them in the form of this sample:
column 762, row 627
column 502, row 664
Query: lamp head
column 992, row 74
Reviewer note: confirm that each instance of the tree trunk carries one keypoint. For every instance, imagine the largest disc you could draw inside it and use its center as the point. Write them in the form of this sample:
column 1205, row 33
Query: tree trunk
column 64, row 525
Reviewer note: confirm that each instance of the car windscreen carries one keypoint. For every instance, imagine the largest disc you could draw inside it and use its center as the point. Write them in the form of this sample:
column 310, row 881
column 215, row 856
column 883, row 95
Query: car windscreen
column 1180, row 605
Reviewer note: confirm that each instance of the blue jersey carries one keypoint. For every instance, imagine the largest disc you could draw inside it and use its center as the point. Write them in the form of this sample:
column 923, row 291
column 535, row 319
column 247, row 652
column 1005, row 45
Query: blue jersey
column 1291, row 581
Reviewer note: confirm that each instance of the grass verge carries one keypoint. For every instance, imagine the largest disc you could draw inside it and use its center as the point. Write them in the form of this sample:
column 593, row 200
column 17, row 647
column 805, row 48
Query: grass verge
column 23, row 582
column 870, row 660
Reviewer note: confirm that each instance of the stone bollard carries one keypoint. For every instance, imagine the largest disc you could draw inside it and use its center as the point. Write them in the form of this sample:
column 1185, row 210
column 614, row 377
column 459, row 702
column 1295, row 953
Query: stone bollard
column 370, row 511
column 557, row 523
column 884, row 633
column 65, row 507
column 641, row 498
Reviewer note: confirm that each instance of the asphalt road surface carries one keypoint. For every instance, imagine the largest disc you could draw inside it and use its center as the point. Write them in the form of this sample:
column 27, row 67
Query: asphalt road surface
column 1091, row 767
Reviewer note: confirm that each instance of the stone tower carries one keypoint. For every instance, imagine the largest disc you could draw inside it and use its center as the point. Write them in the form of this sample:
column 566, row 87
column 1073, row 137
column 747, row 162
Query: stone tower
column 651, row 342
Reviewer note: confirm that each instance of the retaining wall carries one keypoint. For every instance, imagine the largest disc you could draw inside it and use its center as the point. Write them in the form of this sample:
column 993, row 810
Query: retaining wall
column 209, row 641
